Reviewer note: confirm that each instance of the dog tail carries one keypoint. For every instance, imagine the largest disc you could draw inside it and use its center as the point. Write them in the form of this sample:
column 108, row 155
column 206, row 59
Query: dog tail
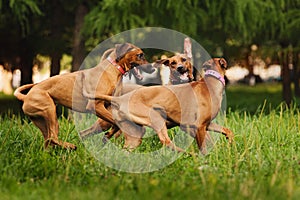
column 104, row 97
column 98, row 96
column 18, row 91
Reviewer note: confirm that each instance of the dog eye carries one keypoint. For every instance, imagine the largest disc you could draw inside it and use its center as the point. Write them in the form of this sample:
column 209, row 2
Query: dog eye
column 183, row 59
column 173, row 63
column 140, row 56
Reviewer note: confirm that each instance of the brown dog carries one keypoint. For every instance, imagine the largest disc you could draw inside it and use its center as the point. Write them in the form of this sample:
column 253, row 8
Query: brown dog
column 39, row 103
column 192, row 106
column 181, row 71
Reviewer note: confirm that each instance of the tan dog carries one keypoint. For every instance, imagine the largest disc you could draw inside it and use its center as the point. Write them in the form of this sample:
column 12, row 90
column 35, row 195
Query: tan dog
column 181, row 71
column 192, row 106
column 39, row 103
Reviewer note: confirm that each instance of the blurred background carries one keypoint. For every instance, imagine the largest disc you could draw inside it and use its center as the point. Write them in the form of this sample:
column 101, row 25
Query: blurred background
column 259, row 38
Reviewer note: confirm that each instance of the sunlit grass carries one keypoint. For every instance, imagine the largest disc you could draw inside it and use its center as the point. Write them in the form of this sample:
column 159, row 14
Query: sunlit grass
column 262, row 163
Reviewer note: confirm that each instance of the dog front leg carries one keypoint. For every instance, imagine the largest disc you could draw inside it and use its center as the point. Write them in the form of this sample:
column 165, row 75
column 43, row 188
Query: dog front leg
column 114, row 130
column 99, row 126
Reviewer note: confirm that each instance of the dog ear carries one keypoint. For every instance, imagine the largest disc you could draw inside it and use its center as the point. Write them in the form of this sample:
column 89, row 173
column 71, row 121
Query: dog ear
column 163, row 61
column 223, row 63
column 122, row 49
column 187, row 48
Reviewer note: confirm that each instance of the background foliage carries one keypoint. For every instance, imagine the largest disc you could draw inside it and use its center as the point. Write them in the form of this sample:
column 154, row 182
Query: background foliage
column 57, row 27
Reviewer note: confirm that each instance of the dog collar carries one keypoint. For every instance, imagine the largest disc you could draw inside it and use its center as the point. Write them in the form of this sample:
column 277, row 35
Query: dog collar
column 113, row 62
column 215, row 74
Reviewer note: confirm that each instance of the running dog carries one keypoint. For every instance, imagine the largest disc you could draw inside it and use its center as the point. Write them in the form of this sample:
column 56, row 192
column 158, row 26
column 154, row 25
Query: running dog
column 67, row 90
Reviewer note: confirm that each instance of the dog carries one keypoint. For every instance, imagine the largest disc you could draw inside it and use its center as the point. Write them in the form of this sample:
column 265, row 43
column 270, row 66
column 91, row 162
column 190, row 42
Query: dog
column 39, row 102
column 192, row 106
column 181, row 71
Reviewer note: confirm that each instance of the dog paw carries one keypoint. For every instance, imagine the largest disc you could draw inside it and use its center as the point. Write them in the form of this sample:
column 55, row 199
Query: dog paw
column 70, row 146
column 229, row 135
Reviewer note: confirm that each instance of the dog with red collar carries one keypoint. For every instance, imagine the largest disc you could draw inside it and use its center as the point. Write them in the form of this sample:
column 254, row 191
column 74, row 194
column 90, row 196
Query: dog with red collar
column 40, row 101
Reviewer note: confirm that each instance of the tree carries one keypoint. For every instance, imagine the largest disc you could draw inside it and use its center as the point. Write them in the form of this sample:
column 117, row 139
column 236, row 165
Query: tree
column 15, row 31
column 78, row 51
column 224, row 28
column 111, row 17
column 284, row 23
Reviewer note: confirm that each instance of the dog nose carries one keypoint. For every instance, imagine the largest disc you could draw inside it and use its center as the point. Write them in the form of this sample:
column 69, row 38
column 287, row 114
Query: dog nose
column 180, row 68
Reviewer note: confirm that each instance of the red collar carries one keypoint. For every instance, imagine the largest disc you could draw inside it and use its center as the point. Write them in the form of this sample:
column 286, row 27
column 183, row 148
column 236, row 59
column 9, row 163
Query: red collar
column 113, row 62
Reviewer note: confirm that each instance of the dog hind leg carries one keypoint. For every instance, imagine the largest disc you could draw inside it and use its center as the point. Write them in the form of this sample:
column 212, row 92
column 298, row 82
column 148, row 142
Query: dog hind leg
column 43, row 115
column 220, row 129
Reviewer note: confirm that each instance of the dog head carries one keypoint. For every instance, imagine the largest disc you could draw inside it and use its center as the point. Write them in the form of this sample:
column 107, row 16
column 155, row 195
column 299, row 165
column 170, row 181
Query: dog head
column 216, row 64
column 130, row 57
column 180, row 67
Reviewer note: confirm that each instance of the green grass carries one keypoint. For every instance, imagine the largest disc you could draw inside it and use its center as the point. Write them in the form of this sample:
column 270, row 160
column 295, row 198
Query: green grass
column 262, row 163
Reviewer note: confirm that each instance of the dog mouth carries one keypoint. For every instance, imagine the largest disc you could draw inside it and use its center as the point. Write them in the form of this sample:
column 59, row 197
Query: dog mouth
column 182, row 73
column 184, row 77
column 180, row 77
column 136, row 73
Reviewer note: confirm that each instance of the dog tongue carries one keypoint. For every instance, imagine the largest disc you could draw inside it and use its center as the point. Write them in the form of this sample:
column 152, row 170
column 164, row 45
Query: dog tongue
column 184, row 76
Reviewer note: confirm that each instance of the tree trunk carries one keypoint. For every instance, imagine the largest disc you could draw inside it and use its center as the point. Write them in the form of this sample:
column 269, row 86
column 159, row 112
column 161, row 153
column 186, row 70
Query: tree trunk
column 56, row 35
column 25, row 62
column 296, row 72
column 286, row 81
column 26, row 70
column 55, row 63
column 78, row 51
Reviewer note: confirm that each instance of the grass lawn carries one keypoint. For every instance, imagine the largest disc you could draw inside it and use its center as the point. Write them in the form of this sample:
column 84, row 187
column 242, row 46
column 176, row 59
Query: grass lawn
column 262, row 163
